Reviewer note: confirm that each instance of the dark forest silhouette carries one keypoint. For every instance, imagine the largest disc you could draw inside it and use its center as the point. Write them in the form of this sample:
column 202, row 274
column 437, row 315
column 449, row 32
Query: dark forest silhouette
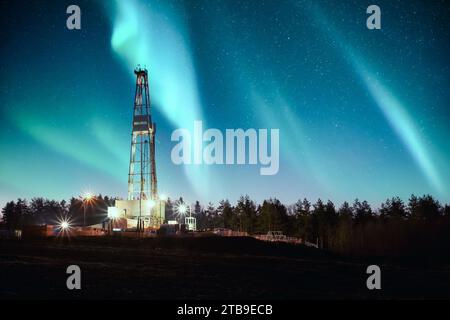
column 420, row 227
column 40, row 211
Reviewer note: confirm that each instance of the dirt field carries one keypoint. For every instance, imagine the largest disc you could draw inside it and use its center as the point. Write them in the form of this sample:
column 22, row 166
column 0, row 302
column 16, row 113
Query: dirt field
column 202, row 268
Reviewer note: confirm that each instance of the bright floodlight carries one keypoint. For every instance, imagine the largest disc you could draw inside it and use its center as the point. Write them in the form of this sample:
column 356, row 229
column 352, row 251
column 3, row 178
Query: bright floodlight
column 87, row 196
column 150, row 204
column 64, row 226
column 113, row 212
column 182, row 208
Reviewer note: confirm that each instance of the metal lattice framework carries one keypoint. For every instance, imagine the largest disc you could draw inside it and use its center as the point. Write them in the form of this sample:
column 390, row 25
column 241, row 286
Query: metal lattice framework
column 142, row 183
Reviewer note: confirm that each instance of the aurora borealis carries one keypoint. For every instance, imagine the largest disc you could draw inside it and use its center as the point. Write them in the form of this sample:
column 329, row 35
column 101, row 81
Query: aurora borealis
column 362, row 113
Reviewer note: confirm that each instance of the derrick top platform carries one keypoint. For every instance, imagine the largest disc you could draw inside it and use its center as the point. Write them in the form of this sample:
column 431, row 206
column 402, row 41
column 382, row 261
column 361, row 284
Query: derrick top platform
column 140, row 71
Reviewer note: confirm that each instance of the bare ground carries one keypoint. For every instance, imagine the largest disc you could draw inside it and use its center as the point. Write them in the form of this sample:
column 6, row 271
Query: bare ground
column 203, row 268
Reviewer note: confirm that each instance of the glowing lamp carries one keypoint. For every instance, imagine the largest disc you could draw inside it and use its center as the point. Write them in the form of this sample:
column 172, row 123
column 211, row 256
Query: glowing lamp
column 113, row 212
column 150, row 204
column 182, row 209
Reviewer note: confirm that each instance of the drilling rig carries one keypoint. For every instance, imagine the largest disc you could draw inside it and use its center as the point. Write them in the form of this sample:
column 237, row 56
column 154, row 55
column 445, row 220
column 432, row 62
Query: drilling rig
column 142, row 182
column 143, row 209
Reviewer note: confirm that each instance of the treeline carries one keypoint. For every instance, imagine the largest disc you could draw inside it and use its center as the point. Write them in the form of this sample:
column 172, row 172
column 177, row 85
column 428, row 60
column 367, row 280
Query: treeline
column 39, row 211
column 419, row 227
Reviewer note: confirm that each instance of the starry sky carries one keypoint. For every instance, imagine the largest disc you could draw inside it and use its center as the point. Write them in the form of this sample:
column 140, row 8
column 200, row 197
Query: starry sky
column 362, row 113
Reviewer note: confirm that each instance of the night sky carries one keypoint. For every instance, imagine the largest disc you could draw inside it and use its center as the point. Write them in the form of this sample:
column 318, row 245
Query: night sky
column 362, row 113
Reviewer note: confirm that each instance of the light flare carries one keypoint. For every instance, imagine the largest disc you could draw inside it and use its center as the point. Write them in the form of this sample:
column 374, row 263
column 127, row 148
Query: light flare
column 64, row 226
